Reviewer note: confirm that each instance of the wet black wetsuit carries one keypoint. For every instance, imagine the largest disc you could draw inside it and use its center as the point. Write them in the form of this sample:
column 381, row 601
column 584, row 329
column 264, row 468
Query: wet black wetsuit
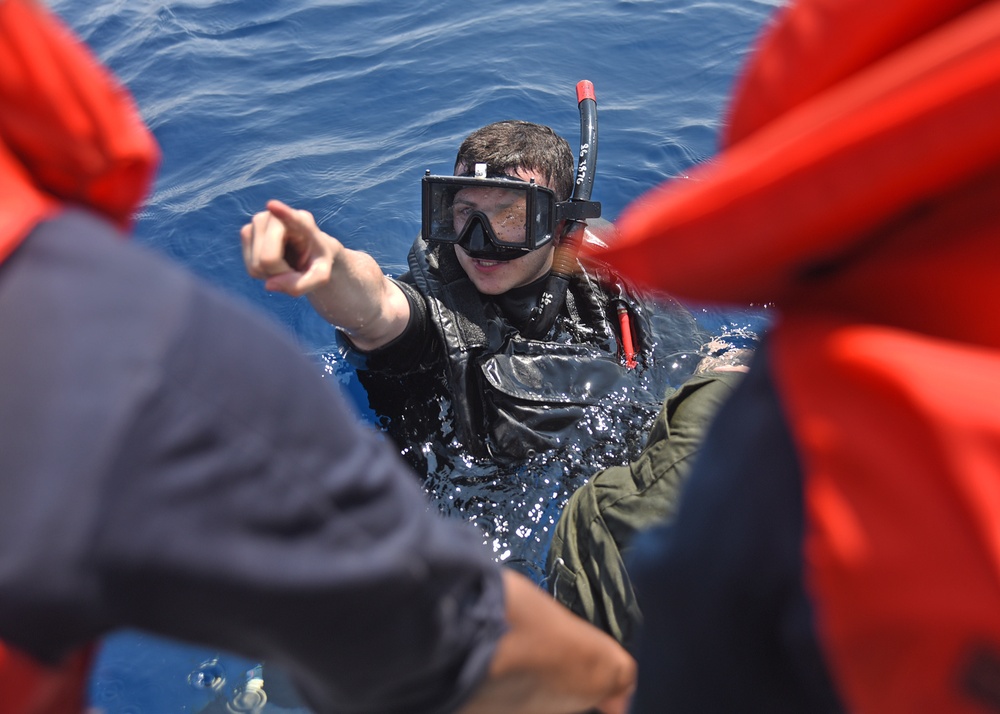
column 463, row 366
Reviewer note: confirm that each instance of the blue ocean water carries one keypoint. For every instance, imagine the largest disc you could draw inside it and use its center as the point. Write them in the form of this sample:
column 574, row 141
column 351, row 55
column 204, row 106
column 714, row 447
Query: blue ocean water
column 338, row 107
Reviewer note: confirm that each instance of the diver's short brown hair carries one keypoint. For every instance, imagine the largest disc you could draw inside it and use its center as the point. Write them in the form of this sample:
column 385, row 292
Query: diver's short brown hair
column 506, row 145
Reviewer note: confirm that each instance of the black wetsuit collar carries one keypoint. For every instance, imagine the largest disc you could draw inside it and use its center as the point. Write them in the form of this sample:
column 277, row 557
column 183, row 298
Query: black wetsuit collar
column 517, row 303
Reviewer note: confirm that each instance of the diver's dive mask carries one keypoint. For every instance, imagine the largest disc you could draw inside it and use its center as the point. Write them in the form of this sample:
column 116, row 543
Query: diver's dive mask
column 495, row 218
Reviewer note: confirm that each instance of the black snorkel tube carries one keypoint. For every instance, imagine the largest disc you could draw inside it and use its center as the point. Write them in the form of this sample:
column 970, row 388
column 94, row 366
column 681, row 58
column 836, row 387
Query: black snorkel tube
column 564, row 261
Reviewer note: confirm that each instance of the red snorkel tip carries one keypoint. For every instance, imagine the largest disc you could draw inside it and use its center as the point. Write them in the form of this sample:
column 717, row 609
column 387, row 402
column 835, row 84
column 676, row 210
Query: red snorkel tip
column 585, row 90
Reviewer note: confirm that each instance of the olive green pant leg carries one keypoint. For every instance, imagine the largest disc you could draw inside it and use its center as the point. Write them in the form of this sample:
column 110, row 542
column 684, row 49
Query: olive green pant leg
column 585, row 566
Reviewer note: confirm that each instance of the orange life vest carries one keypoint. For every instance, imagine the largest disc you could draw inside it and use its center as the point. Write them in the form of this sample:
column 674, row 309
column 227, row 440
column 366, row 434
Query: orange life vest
column 857, row 190
column 69, row 133
column 31, row 688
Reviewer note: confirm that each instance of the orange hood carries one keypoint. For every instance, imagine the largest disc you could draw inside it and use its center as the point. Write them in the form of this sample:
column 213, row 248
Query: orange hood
column 69, row 133
column 848, row 125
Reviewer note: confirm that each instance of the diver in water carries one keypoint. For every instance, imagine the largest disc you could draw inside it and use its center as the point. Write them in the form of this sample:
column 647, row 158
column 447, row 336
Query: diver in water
column 461, row 328
column 158, row 475
column 475, row 323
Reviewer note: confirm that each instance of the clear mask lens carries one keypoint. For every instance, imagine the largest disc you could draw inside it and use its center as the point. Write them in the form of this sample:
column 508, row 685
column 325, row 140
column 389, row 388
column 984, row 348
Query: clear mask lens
column 503, row 217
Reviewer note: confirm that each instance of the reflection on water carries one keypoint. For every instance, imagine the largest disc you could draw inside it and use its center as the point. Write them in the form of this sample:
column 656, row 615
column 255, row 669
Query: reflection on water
column 515, row 505
column 249, row 696
column 209, row 675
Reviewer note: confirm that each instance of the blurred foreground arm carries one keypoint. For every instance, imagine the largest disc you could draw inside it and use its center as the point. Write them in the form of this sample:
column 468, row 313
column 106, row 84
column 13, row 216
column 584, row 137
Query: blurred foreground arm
column 284, row 247
column 551, row 661
column 235, row 499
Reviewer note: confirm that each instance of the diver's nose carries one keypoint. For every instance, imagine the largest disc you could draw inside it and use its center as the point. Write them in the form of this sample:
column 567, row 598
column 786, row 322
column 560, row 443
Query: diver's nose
column 476, row 232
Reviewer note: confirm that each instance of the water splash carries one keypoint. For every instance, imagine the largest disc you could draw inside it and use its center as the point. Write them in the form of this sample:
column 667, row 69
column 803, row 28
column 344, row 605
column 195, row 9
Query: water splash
column 250, row 698
column 208, row 676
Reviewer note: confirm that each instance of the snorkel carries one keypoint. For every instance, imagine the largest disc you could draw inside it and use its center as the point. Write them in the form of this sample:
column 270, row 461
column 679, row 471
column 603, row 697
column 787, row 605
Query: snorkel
column 564, row 261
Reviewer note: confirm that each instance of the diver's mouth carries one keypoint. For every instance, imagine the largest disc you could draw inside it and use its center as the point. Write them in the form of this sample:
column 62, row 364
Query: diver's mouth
column 486, row 263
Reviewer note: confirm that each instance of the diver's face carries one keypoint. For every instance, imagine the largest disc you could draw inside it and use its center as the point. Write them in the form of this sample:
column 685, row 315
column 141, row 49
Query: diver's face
column 495, row 277
column 505, row 209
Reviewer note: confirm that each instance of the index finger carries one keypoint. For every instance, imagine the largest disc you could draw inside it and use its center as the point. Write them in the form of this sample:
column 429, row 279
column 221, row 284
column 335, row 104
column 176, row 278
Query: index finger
column 291, row 217
column 264, row 243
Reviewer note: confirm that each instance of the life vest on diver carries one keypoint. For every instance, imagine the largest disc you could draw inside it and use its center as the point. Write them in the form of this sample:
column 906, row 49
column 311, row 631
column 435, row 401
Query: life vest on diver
column 69, row 134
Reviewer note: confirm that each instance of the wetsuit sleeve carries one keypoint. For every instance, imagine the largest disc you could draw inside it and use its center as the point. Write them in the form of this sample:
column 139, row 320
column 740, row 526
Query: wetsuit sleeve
column 415, row 350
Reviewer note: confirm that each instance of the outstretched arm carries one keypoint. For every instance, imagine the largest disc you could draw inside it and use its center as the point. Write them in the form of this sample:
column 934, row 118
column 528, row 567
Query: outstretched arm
column 284, row 247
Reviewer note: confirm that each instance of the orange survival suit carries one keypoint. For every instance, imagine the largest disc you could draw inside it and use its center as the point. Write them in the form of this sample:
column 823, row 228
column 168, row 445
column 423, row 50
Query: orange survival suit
column 858, row 190
column 69, row 134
